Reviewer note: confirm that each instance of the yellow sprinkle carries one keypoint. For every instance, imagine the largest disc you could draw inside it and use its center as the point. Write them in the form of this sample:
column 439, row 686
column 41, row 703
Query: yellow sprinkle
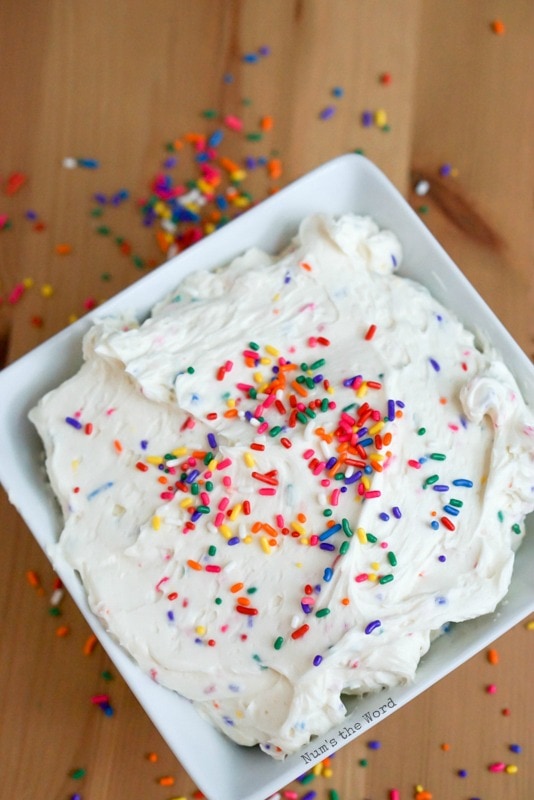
column 362, row 538
column 75, row 464
column 511, row 769
column 303, row 540
column 238, row 175
column 47, row 290
column 298, row 527
column 266, row 360
column 258, row 377
column 265, row 546
column 272, row 350
column 209, row 227
column 226, row 531
column 362, row 391
column 376, row 457
column 72, row 318
column 200, row 630
column 230, row 403
column 156, row 523
column 276, row 297
column 179, row 451
column 236, row 511
column 372, row 577
column 366, row 482
column 376, row 428
column 186, row 502
column 530, row 625
column 156, row 460
column 213, row 464
column 381, row 118
column 249, row 460
column 317, row 769
column 375, row 565
column 239, row 714
column 327, row 773
column 28, row 283
column 247, row 540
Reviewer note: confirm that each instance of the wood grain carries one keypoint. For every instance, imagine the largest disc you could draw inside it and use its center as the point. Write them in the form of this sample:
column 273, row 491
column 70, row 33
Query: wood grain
column 118, row 81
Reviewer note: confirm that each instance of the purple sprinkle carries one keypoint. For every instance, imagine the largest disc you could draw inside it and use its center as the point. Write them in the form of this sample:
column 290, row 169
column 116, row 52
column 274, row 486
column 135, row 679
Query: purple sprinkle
column 353, row 478
column 394, row 261
column 31, row 214
column 440, row 487
column 326, row 546
column 74, row 422
column 383, row 516
column 264, row 50
column 374, row 745
column 144, row 444
column 306, row 608
column 434, row 364
column 330, row 463
column 372, row 626
column 462, row 773
column 195, row 516
column 445, row 170
column 367, row 118
column 400, row 404
column 317, row 660
column 396, row 512
column 212, row 441
column 391, row 410
column 442, row 558
column 170, row 615
column 193, row 475
column 233, row 540
column 327, row 112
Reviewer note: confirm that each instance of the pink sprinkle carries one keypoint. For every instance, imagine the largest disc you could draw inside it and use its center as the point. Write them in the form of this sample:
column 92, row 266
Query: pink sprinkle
column 414, row 464
column 212, row 568
column 226, row 462
column 223, row 503
column 491, row 689
column 372, row 493
column 334, row 499
column 308, row 453
column 394, row 794
column 363, row 576
column 233, row 122
column 158, row 585
column 280, row 521
column 267, row 490
column 314, row 539
column 96, row 699
column 16, row 293
column 219, row 519
column 227, row 481
column 263, row 427
column 498, row 766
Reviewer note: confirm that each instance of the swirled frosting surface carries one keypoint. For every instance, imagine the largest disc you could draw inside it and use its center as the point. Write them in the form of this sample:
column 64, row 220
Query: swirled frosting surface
column 279, row 487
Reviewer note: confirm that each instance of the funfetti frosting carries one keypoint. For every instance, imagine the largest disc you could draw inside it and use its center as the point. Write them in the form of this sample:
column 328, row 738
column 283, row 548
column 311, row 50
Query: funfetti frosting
column 283, row 484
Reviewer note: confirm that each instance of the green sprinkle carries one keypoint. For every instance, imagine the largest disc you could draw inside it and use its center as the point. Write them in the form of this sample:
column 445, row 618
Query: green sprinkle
column 308, row 777
column 386, row 578
column 209, row 113
column 253, row 393
column 344, row 547
column 107, row 675
column 333, row 795
column 97, row 212
column 339, row 476
column 103, row 230
column 254, row 346
column 212, row 550
column 500, row 516
column 310, row 413
column 319, row 363
column 516, row 528
column 347, row 530
column 254, row 136
column 203, row 509
column 429, row 481
column 54, row 611
column 327, row 512
column 371, row 538
column 78, row 773
column 456, row 503
column 218, row 601
column 304, row 367
column 392, row 558
column 190, row 370
column 209, row 486
column 195, row 488
column 275, row 430
column 252, row 590
column 278, row 643
column 423, row 209
column 421, row 431
column 324, row 404
column 310, row 383
column 323, row 612
column 363, row 762
column 438, row 456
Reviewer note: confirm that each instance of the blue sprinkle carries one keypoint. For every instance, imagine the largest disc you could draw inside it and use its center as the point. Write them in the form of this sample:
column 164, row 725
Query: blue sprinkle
column 170, row 615
column 463, row 482
column 366, row 442
column 234, row 540
column 383, row 516
column 328, row 574
column 102, row 488
column 396, row 512
column 434, row 364
column 88, row 163
column 317, row 660
column 212, row 441
column 451, row 510
column 216, row 138
column 440, row 487
column 329, row 532
column 74, row 422
column 434, row 524
column 394, row 261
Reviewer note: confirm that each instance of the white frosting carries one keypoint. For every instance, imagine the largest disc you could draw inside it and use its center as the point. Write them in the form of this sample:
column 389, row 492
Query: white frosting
column 373, row 546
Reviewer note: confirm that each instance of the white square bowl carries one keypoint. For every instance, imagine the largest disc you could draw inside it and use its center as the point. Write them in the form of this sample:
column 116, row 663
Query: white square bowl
column 348, row 183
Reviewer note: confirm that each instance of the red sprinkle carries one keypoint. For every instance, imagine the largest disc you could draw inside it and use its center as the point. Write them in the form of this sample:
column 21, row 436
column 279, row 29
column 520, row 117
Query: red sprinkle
column 370, row 333
column 299, row 632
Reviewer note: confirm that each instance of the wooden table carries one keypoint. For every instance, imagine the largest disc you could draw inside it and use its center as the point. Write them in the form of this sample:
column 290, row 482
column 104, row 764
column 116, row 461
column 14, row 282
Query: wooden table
column 117, row 82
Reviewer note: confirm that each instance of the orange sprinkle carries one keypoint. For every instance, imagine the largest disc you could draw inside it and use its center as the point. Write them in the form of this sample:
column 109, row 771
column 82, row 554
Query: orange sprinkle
column 386, row 439
column 162, row 479
column 305, row 265
column 301, row 517
column 152, row 757
column 423, row 796
column 493, row 656
column 267, row 123
column 62, row 631
column 274, row 167
column 345, row 601
column 33, row 578
column 194, row 564
column 117, row 445
column 236, row 587
column 166, row 780
column 257, row 526
column 90, row 644
column 243, row 601
column 498, row 27
column 445, row 747
column 228, row 164
column 232, row 412
column 63, row 249
column 299, row 389
column 443, row 401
